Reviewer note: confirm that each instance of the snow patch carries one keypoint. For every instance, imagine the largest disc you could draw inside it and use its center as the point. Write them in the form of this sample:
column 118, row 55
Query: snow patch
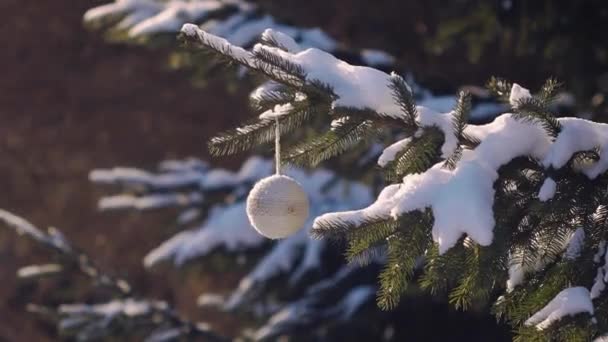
column 518, row 93
column 575, row 244
column 277, row 111
column 569, row 302
column 355, row 86
column 218, row 43
column 579, row 135
column 377, row 58
column 547, row 190
column 461, row 199
column 390, row 153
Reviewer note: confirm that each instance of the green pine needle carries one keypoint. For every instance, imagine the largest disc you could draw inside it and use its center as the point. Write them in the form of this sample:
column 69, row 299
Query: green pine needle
column 535, row 110
column 499, row 88
column 459, row 123
column 549, row 90
column 363, row 240
column 263, row 131
column 346, row 133
column 418, row 156
column 402, row 94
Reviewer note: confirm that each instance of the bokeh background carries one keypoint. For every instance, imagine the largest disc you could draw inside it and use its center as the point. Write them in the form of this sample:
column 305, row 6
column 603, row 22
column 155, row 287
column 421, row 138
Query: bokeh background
column 70, row 102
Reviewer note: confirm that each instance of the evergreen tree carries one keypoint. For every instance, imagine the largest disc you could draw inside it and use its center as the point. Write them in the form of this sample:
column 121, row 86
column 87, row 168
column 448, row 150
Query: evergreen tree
column 126, row 314
column 154, row 23
column 510, row 212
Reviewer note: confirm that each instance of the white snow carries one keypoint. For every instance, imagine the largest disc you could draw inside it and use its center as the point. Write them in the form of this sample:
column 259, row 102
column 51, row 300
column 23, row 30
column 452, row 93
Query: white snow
column 128, row 307
column 517, row 272
column 277, row 111
column 147, row 202
column 575, row 244
column 601, row 278
column 569, row 302
column 598, row 283
column 285, row 254
column 377, row 57
column 310, row 261
column 518, row 93
column 429, row 118
column 188, row 164
column 282, row 39
column 226, row 227
column 441, row 103
column 601, row 250
column 355, row 86
column 306, row 310
column 570, row 245
column 354, row 299
column 21, row 225
column 316, row 38
column 38, row 270
column 280, row 260
column 173, row 16
column 119, row 7
column 461, row 199
column 249, row 31
column 223, row 28
column 390, row 153
column 188, row 216
column 547, row 190
column 579, row 135
column 210, row 300
column 217, row 43
column 137, row 177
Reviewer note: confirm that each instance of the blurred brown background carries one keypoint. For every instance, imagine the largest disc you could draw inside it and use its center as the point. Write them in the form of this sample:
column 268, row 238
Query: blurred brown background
column 70, row 102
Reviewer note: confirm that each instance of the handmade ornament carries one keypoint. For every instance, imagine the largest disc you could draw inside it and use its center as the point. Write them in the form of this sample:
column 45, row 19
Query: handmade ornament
column 277, row 206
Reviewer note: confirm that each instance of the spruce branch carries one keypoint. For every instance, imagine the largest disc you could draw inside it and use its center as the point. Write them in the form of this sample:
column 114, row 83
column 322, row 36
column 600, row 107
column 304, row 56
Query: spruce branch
column 148, row 314
column 402, row 94
column 441, row 270
column 273, row 64
column 419, row 155
column 549, row 90
column 70, row 258
column 405, row 248
column 459, row 123
column 471, row 287
column 340, row 230
column 535, row 110
column 499, row 88
column 193, row 37
column 365, row 239
column 267, row 100
column 345, row 134
column 263, row 131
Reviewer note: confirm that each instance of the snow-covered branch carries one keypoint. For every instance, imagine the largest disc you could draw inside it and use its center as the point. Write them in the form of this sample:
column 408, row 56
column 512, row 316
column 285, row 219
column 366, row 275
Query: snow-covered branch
column 126, row 315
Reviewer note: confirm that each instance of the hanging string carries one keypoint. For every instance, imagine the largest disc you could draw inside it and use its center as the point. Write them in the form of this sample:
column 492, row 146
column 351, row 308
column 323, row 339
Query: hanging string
column 277, row 146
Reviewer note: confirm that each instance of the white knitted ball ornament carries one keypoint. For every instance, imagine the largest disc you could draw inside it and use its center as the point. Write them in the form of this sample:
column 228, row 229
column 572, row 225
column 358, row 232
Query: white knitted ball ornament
column 277, row 206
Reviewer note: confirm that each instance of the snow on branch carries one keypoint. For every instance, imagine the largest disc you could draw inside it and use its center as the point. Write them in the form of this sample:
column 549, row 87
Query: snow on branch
column 177, row 184
column 239, row 22
column 569, row 302
column 462, row 198
column 329, row 301
column 100, row 320
column 227, row 226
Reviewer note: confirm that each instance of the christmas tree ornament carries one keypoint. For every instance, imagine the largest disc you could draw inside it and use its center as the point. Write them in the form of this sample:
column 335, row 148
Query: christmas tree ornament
column 277, row 206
